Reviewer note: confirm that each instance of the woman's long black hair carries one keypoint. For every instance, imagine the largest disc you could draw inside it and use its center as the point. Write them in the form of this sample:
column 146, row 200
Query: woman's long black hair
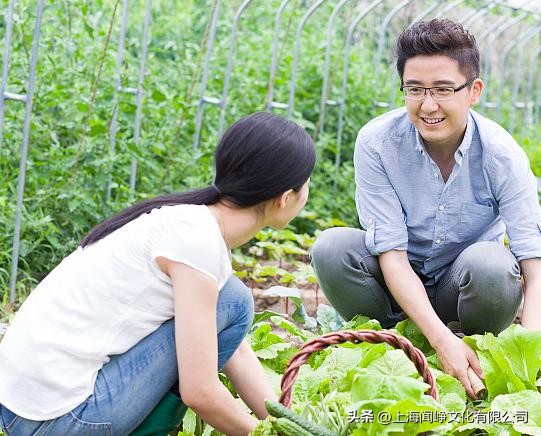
column 258, row 158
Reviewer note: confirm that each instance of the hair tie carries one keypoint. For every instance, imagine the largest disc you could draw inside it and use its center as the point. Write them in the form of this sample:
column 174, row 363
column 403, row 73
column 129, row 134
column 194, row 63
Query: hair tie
column 218, row 190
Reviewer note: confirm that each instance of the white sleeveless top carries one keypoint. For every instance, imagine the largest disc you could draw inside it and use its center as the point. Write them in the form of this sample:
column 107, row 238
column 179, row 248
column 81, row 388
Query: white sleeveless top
column 100, row 301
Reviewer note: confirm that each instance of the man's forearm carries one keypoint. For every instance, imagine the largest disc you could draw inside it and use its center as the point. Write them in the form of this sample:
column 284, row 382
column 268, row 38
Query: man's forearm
column 531, row 313
column 410, row 294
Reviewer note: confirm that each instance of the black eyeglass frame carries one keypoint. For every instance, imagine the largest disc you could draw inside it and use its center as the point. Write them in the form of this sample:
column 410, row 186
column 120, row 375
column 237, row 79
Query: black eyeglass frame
column 429, row 89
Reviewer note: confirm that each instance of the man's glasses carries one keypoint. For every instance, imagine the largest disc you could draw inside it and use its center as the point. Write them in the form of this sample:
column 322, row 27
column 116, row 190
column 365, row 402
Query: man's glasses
column 438, row 93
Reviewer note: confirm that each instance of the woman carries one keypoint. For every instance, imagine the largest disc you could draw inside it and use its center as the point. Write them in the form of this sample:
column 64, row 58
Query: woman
column 146, row 308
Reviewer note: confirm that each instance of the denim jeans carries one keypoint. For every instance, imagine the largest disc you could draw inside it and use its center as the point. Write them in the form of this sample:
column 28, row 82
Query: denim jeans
column 481, row 288
column 131, row 384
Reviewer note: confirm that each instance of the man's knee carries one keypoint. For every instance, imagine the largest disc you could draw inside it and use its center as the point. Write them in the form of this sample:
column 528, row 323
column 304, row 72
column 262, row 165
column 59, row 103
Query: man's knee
column 491, row 279
column 489, row 262
column 333, row 246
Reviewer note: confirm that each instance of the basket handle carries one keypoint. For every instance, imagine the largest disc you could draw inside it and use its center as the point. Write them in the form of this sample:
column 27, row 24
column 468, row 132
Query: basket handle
column 355, row 336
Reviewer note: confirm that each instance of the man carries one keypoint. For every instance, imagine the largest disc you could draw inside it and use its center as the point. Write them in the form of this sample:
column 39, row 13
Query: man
column 437, row 185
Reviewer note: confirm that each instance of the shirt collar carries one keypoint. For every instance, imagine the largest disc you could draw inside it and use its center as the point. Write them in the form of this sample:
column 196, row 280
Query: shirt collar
column 466, row 142
column 462, row 148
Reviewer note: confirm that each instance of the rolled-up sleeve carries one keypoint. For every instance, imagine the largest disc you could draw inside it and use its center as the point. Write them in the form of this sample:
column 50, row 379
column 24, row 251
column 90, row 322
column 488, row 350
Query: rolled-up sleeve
column 378, row 206
column 515, row 189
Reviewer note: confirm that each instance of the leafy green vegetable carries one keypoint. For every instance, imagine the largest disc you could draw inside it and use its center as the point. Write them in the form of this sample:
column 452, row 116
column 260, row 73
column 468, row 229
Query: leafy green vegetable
column 511, row 362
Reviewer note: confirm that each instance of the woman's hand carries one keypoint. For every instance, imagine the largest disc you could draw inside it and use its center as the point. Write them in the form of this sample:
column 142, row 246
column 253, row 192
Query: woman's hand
column 456, row 357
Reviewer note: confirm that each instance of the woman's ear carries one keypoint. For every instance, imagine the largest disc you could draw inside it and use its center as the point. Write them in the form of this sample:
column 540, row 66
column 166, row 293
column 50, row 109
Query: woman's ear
column 283, row 198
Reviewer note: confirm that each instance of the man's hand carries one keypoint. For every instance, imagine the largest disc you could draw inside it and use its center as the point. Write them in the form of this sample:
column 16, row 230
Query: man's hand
column 456, row 357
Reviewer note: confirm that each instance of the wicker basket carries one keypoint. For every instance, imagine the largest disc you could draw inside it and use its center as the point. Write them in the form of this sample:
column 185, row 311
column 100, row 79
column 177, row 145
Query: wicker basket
column 354, row 336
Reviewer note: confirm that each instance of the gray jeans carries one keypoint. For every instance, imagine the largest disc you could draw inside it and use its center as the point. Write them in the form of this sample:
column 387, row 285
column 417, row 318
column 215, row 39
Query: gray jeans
column 481, row 288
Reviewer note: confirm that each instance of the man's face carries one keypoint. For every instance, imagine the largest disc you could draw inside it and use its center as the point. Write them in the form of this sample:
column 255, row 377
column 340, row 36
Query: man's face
column 441, row 123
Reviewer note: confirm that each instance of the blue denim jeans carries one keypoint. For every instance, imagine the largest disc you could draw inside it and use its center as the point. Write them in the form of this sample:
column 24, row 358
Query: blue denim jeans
column 131, row 384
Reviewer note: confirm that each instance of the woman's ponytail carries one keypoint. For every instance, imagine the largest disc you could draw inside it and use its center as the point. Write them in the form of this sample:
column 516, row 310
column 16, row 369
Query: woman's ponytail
column 208, row 195
column 258, row 158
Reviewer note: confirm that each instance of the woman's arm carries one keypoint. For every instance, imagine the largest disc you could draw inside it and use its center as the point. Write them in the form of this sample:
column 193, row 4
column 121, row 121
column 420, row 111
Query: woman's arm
column 196, row 296
column 249, row 379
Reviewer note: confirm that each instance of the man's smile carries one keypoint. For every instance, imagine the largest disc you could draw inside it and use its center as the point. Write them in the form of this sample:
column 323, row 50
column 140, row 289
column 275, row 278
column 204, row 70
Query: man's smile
column 432, row 120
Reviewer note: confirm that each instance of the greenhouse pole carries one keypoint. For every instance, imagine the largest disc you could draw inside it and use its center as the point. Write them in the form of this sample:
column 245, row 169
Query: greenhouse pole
column 5, row 68
column 223, row 101
column 296, row 51
column 24, row 150
column 381, row 40
column 478, row 14
column 427, row 12
column 486, row 68
column 516, row 77
column 274, row 60
column 529, row 33
column 138, row 92
column 328, row 48
column 342, row 103
column 529, row 101
column 449, row 7
column 202, row 89
column 139, row 98
column 114, row 119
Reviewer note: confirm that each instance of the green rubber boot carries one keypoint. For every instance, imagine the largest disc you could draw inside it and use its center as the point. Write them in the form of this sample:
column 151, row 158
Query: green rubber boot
column 165, row 417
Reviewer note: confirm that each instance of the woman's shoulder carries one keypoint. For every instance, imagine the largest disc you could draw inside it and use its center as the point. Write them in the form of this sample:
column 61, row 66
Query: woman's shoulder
column 196, row 213
column 189, row 221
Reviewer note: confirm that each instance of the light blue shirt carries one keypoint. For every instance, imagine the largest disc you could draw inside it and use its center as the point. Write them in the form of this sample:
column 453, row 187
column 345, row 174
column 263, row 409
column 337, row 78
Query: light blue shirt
column 404, row 203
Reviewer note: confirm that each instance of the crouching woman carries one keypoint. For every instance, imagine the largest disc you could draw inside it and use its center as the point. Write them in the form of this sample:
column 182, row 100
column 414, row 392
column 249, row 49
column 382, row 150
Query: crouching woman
column 146, row 308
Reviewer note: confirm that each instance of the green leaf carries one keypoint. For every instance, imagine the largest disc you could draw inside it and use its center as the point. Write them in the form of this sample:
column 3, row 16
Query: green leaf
column 523, row 409
column 273, row 377
column 523, row 349
column 189, row 422
column 370, row 386
column 262, row 316
column 360, row 322
column 266, row 271
column 511, row 361
column 272, row 351
column 408, row 329
column 267, row 345
column 158, row 96
column 393, row 363
column 300, row 315
column 282, row 291
column 97, row 129
column 448, row 385
column 241, row 274
column 291, row 328
column 293, row 249
column 408, row 417
column 328, row 318
column 135, row 149
column 453, row 401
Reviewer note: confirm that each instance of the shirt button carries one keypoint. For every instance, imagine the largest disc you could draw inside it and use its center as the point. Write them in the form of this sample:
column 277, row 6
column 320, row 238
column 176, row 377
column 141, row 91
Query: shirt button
column 441, row 207
column 438, row 241
column 436, row 175
column 370, row 221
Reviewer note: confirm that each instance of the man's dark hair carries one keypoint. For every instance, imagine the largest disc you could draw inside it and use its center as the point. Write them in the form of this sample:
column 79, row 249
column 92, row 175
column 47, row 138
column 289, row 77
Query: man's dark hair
column 439, row 37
